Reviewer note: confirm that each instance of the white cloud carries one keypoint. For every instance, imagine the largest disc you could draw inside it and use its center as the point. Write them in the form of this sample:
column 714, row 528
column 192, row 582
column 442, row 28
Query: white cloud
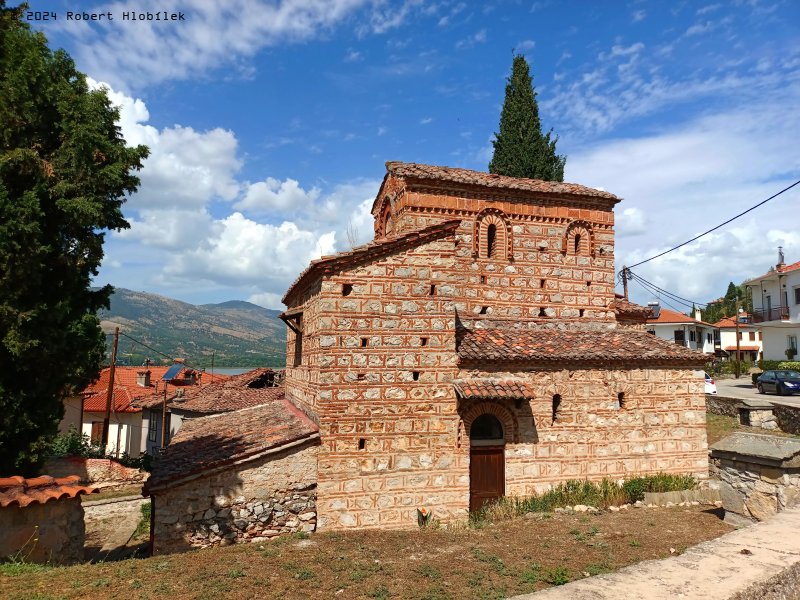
column 214, row 34
column 709, row 8
column 469, row 42
column 272, row 195
column 638, row 15
column 426, row 120
column 698, row 28
column 526, row 45
column 353, row 56
column 629, row 222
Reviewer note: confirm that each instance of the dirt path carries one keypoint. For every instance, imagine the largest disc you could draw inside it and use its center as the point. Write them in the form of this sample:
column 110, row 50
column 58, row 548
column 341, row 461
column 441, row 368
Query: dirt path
column 110, row 526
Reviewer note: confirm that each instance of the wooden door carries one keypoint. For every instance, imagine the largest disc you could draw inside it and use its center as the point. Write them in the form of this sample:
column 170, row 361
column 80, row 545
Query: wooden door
column 487, row 475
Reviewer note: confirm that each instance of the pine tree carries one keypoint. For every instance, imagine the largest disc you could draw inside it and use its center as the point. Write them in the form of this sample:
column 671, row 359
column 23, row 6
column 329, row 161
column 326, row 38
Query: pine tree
column 64, row 171
column 520, row 149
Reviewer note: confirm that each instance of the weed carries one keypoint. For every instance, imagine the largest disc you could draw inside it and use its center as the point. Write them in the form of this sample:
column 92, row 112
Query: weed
column 436, row 592
column 532, row 574
column 269, row 552
column 301, row 535
column 494, row 561
column 597, row 569
column 143, row 527
column 21, row 568
column 594, row 531
column 235, row 573
column 379, row 593
column 557, row 576
column 164, row 588
column 161, row 566
column 102, row 582
column 429, row 572
column 635, row 544
column 304, row 574
column 136, row 584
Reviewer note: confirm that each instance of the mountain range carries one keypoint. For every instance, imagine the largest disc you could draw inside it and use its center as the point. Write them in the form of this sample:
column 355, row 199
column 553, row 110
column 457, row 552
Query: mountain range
column 231, row 334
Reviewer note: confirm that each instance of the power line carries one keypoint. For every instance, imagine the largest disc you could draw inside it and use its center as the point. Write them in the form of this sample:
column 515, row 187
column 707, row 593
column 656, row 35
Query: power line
column 161, row 353
column 674, row 296
column 697, row 237
column 659, row 297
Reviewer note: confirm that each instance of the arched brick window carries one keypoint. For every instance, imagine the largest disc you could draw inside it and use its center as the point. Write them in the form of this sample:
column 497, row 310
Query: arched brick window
column 385, row 223
column 470, row 413
column 578, row 239
column 491, row 236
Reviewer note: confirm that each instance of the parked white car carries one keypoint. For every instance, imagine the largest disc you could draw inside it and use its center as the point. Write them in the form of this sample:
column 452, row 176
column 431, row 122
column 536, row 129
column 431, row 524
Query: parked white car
column 711, row 387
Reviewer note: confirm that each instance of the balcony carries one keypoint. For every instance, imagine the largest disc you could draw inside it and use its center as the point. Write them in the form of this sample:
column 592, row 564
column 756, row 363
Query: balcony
column 780, row 313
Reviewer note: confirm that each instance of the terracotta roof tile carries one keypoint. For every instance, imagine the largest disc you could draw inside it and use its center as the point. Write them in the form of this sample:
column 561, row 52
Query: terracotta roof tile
column 624, row 310
column 777, row 271
column 494, row 389
column 372, row 251
column 39, row 490
column 553, row 346
column 478, row 178
column 730, row 322
column 742, row 348
column 240, row 391
column 211, row 442
column 672, row 316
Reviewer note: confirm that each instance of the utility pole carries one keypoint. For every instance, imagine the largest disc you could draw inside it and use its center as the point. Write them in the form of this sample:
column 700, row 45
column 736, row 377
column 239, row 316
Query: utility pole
column 625, row 281
column 110, row 391
column 164, row 418
column 736, row 317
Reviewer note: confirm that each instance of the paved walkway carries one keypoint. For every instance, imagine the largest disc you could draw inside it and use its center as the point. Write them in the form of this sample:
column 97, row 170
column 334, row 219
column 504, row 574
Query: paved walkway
column 742, row 389
column 716, row 569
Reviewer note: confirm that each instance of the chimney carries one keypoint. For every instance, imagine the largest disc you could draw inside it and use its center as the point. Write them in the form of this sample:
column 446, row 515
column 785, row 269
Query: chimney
column 698, row 316
column 781, row 259
column 655, row 308
column 143, row 378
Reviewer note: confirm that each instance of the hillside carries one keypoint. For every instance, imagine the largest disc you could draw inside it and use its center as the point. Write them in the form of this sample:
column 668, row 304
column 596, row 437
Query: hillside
column 237, row 333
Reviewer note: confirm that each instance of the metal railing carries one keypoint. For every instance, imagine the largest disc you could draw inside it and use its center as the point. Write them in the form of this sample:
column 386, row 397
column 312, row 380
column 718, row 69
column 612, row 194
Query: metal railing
column 779, row 313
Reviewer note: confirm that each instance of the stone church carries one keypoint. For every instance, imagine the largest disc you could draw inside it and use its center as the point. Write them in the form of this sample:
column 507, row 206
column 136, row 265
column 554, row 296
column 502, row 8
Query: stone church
column 475, row 348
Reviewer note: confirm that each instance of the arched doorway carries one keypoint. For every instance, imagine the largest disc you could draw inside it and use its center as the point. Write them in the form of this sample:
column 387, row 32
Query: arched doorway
column 487, row 464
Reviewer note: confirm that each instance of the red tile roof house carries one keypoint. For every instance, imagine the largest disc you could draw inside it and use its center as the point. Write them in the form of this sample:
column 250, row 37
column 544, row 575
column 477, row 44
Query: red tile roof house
column 41, row 519
column 690, row 332
column 474, row 349
column 130, row 429
column 749, row 337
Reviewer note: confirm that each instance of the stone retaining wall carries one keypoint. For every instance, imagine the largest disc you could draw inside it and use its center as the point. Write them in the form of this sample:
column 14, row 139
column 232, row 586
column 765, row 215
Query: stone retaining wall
column 263, row 498
column 720, row 405
column 43, row 533
column 787, row 417
column 101, row 472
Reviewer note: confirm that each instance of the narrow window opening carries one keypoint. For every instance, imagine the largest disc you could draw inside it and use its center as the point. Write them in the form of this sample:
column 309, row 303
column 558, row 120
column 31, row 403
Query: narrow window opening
column 542, row 283
column 415, row 375
column 556, row 406
column 541, row 312
column 362, row 443
column 588, row 284
column 621, row 400
column 423, row 341
column 347, row 289
column 433, row 289
column 484, row 310
column 483, row 280
column 577, row 243
column 364, row 342
column 491, row 239
column 580, row 312
column 361, row 376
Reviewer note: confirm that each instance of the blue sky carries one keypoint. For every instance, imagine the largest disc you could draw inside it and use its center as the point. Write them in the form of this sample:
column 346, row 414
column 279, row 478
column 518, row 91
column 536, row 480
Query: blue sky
column 269, row 124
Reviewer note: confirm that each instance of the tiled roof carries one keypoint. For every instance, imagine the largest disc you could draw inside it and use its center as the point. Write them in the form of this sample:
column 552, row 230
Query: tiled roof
column 779, row 270
column 625, row 310
column 232, row 394
column 489, row 180
column 39, row 490
column 545, row 347
column 372, row 251
column 492, row 389
column 212, row 442
column 671, row 316
column 742, row 348
column 727, row 322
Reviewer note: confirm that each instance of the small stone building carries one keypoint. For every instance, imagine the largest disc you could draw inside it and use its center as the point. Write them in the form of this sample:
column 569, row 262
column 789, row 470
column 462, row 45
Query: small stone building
column 41, row 519
column 245, row 475
column 475, row 348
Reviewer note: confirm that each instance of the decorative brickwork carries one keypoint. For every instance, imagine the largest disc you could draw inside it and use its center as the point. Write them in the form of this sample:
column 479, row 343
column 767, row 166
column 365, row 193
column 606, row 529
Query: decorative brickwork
column 481, row 295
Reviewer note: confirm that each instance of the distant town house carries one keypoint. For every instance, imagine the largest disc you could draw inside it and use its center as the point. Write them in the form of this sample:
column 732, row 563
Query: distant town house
column 776, row 309
column 749, row 338
column 681, row 329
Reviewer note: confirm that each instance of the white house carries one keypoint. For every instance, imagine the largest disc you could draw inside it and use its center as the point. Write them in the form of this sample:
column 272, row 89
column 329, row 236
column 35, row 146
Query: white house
column 750, row 338
column 682, row 329
column 776, row 308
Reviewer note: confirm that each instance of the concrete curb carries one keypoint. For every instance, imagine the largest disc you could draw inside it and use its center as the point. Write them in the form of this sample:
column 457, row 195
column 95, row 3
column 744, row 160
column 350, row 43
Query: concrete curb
column 743, row 564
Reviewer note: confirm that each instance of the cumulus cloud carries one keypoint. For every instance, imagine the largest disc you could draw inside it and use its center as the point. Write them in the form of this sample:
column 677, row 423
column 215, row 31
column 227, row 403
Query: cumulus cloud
column 272, row 195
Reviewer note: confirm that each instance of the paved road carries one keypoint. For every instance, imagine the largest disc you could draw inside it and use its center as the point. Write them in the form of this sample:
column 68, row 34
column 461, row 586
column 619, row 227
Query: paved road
column 743, row 389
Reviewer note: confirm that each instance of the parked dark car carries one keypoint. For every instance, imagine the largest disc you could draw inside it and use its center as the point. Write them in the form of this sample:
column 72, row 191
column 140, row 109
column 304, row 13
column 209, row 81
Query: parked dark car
column 780, row 382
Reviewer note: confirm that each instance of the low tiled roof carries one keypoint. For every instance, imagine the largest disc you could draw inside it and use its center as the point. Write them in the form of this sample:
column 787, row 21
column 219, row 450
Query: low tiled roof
column 672, row 316
column 39, row 490
column 371, row 252
column 492, row 389
column 233, row 394
column 743, row 348
column 730, row 322
column 779, row 270
column 466, row 177
column 212, row 442
column 624, row 310
column 547, row 347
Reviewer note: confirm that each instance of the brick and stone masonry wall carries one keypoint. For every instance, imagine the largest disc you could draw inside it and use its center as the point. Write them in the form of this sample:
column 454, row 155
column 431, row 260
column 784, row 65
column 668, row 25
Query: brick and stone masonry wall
column 255, row 501
column 43, row 533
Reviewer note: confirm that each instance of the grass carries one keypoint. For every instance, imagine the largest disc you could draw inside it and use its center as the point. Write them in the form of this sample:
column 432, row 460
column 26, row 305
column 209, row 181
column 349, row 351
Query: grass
column 143, row 527
column 502, row 559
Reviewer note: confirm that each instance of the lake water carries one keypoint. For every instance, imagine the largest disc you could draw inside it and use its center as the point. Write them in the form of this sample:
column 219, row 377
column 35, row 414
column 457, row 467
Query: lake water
column 229, row 370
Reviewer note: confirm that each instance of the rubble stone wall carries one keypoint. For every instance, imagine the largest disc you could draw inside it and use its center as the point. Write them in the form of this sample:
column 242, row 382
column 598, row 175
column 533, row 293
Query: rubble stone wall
column 257, row 500
column 53, row 532
column 754, row 491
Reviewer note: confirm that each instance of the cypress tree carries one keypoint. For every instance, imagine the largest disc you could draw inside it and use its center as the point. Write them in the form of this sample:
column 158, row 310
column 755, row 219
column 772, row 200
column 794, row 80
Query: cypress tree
column 64, row 172
column 520, row 149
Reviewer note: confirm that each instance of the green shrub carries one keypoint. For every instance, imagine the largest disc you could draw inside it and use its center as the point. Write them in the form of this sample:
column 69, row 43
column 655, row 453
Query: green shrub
column 72, row 443
column 792, row 365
